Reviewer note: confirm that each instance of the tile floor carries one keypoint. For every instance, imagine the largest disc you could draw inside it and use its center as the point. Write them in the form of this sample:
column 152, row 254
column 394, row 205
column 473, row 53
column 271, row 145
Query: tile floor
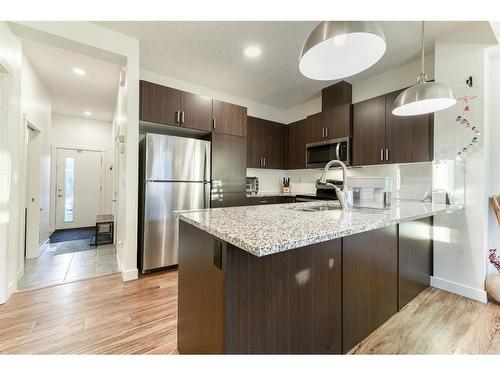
column 50, row 269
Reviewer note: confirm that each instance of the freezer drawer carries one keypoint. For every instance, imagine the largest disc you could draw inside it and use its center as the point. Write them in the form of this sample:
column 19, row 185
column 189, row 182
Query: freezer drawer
column 161, row 227
column 170, row 158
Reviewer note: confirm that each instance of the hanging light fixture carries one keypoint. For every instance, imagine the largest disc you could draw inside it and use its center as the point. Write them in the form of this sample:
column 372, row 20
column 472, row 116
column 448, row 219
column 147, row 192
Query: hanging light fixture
column 424, row 97
column 339, row 49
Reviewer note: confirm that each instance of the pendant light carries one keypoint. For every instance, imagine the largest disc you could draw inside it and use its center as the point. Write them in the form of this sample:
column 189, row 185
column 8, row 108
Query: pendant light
column 339, row 49
column 424, row 97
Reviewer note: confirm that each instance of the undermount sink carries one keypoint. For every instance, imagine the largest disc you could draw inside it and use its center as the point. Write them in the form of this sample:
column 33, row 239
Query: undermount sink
column 316, row 208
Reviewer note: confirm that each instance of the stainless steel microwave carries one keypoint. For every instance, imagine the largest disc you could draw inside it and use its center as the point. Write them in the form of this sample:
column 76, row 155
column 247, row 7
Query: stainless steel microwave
column 320, row 153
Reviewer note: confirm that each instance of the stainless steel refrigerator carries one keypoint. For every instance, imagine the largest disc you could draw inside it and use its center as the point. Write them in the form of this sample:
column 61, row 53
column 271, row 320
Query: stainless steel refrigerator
column 174, row 174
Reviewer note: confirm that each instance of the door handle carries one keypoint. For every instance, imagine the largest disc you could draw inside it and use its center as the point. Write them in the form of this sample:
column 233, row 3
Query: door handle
column 387, row 154
column 214, row 122
column 59, row 195
column 381, row 154
column 177, row 117
column 264, row 162
column 323, row 133
column 326, row 132
column 182, row 118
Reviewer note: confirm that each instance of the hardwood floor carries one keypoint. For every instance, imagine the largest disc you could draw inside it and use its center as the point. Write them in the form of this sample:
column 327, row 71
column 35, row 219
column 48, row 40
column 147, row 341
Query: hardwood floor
column 437, row 322
column 107, row 316
column 103, row 315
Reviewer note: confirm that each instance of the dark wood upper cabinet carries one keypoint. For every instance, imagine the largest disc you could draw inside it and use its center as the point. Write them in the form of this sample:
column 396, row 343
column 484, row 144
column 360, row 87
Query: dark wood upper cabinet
column 408, row 138
column 255, row 142
column 196, row 111
column 267, row 143
column 297, row 133
column 369, row 132
column 337, row 121
column 165, row 105
column 315, row 129
column 379, row 137
column 159, row 104
column 369, row 282
column 415, row 259
column 335, row 95
column 229, row 119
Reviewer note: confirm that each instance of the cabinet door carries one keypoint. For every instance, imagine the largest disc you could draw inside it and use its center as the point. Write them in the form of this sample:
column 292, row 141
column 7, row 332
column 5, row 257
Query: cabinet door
column 275, row 146
column 415, row 259
column 297, row 133
column 368, row 140
column 229, row 119
column 337, row 121
column 408, row 138
column 315, row 131
column 197, row 111
column 370, row 282
column 256, row 142
column 159, row 103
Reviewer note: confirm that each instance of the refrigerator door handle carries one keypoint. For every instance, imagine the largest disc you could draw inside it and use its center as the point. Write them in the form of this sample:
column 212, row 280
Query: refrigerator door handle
column 206, row 192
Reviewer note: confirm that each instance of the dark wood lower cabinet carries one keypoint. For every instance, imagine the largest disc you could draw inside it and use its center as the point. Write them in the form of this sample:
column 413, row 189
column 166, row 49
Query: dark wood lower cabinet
column 201, row 294
column 415, row 259
column 322, row 298
column 370, row 282
column 288, row 302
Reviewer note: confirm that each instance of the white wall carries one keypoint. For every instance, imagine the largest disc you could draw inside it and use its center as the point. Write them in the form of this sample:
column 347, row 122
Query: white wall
column 36, row 106
column 89, row 134
column 120, row 183
column 11, row 212
column 494, row 154
column 460, row 256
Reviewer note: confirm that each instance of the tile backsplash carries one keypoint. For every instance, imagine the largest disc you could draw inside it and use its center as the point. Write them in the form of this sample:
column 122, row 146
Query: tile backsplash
column 412, row 181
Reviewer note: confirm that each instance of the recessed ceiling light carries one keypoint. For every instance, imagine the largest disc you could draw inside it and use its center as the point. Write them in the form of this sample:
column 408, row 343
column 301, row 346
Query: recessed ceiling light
column 79, row 71
column 87, row 113
column 252, row 51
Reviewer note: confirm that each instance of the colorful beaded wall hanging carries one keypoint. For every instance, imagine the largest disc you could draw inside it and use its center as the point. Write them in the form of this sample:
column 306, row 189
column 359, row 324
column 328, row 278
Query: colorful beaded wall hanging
column 468, row 120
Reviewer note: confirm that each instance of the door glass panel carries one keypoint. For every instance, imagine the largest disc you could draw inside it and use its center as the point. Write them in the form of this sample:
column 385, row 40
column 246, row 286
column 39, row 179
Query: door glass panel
column 69, row 181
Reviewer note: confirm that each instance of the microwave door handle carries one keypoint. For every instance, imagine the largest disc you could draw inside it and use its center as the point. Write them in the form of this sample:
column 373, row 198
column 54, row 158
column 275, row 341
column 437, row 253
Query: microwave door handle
column 337, row 151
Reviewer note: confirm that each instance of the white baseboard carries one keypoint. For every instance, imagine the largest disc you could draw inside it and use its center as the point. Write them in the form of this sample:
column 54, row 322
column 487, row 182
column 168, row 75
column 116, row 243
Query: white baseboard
column 460, row 289
column 131, row 274
column 127, row 275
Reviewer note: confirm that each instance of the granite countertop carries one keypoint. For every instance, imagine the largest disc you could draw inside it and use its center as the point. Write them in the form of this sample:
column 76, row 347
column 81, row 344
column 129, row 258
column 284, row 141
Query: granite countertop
column 268, row 229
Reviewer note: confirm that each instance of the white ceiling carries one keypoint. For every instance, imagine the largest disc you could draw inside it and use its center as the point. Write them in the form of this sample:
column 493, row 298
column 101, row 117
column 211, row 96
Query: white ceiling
column 210, row 54
column 71, row 94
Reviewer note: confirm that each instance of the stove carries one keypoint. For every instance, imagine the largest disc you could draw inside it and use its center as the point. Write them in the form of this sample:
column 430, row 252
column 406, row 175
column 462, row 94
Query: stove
column 323, row 193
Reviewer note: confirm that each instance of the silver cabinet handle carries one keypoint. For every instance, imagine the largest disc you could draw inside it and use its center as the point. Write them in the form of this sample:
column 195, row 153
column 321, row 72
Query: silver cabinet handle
column 323, row 133
column 177, row 117
column 214, row 122
column 264, row 162
column 381, row 154
column 182, row 117
column 260, row 161
column 386, row 154
column 326, row 132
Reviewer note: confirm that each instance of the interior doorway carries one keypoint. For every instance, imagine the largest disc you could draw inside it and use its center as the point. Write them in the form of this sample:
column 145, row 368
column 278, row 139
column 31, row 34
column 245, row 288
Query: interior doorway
column 32, row 209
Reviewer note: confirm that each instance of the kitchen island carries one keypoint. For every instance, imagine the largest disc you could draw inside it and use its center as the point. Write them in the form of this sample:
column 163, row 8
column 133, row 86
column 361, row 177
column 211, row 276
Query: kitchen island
column 298, row 278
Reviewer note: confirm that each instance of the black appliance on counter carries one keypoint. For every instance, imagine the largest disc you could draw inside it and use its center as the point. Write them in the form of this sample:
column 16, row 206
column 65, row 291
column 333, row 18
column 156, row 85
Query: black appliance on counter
column 323, row 193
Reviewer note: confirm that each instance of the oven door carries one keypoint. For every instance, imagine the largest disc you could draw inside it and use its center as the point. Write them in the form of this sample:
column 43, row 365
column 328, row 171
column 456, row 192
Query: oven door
column 320, row 153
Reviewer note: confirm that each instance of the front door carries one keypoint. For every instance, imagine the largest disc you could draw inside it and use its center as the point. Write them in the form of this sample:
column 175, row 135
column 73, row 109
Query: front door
column 78, row 188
